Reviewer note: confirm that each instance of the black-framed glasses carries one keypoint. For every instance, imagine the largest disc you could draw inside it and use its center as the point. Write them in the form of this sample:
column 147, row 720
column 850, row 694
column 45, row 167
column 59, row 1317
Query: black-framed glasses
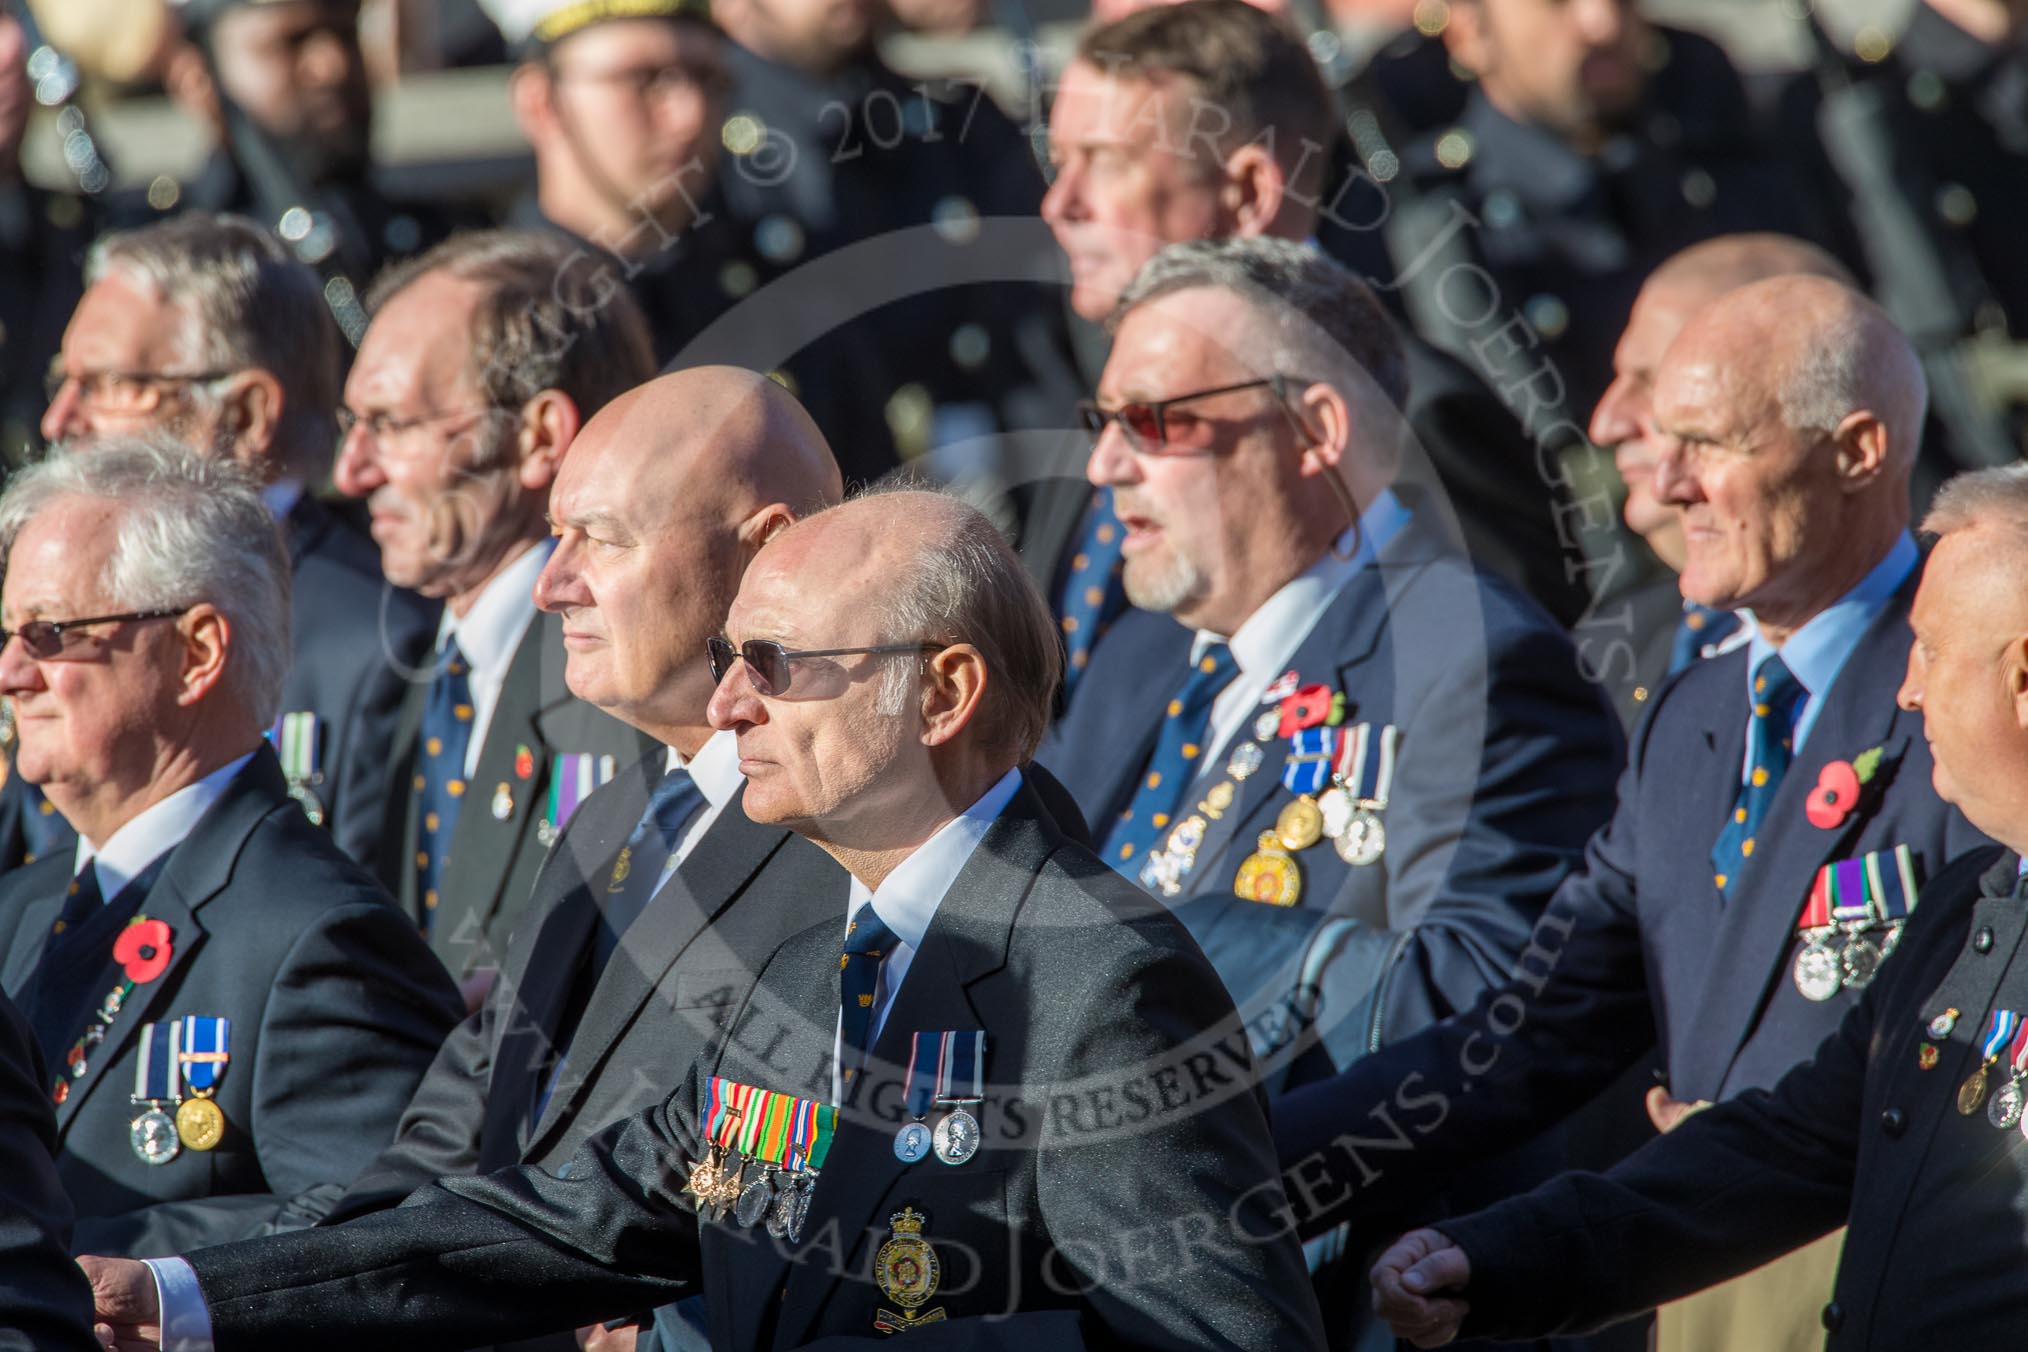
column 647, row 83
column 124, row 391
column 1149, row 427
column 768, row 661
column 47, row 639
column 381, row 426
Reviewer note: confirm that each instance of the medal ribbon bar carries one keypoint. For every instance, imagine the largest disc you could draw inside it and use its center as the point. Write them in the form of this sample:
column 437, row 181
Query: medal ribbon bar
column 158, row 1071
column 961, row 1065
column 206, row 1049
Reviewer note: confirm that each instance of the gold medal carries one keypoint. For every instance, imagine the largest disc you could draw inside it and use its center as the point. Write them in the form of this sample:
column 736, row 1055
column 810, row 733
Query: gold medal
column 1300, row 825
column 199, row 1123
column 1973, row 1091
column 1220, row 797
column 1270, row 875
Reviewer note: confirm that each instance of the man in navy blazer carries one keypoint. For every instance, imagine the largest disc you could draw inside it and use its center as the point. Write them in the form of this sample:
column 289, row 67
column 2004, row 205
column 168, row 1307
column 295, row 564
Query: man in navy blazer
column 1763, row 851
column 206, row 329
column 1248, row 408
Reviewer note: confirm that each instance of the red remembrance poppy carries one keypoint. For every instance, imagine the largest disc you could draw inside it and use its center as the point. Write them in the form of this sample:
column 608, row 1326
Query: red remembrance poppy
column 1305, row 709
column 143, row 950
column 1834, row 798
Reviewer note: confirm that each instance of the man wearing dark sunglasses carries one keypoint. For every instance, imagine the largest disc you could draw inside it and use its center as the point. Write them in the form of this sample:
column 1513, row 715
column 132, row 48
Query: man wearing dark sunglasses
column 887, row 671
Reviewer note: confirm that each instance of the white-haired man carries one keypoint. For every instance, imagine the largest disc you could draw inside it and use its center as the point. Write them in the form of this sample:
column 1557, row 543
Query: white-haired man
column 232, row 1012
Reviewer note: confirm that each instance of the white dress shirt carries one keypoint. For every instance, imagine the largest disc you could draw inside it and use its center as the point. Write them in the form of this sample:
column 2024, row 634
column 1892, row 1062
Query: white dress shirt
column 154, row 832
column 908, row 900
column 488, row 634
column 715, row 770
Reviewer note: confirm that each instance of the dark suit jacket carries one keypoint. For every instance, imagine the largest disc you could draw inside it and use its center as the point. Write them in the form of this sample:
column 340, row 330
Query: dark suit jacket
column 493, row 859
column 661, row 1003
column 1860, row 1134
column 1119, row 1117
column 44, row 1302
column 1506, row 768
column 1639, row 948
column 357, row 641
column 335, row 1005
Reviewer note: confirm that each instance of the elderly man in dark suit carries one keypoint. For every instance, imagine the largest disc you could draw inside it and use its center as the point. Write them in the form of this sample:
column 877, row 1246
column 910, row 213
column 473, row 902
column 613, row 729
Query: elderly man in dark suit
column 483, row 359
column 207, row 330
column 1013, row 1076
column 1777, row 815
column 1904, row 1124
column 231, row 1012
column 45, row 1302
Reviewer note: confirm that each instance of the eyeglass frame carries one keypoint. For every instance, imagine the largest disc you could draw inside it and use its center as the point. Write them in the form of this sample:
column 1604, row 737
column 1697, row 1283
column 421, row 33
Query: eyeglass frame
column 60, row 627
column 649, row 84
column 347, row 420
column 54, row 381
column 1090, row 411
column 719, row 655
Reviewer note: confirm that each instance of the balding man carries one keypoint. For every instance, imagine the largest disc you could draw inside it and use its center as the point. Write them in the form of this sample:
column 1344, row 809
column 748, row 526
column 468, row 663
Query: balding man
column 1640, row 636
column 1020, row 1080
column 1906, row 1120
column 1776, row 811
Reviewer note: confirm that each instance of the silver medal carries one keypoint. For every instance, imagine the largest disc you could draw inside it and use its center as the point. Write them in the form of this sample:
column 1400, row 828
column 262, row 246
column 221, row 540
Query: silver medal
column 912, row 1142
column 1364, row 839
column 1336, row 804
column 312, row 807
column 1268, row 726
column 153, row 1134
column 1861, row 960
column 2003, row 1110
column 783, row 1213
column 755, row 1198
column 802, row 1208
column 957, row 1137
column 1245, row 759
column 1817, row 974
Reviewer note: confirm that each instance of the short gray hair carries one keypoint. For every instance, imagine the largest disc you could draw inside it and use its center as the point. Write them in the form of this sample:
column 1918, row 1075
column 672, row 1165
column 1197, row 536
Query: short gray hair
column 1979, row 496
column 1327, row 322
column 192, row 529
column 251, row 305
column 1856, row 360
column 965, row 584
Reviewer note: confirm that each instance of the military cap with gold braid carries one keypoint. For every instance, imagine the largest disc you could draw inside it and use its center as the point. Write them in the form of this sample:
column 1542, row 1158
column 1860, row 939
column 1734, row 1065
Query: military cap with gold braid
column 530, row 25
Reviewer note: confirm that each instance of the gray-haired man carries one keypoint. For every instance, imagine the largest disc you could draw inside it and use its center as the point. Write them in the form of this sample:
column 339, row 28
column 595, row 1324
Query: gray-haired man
column 232, row 1012
column 204, row 329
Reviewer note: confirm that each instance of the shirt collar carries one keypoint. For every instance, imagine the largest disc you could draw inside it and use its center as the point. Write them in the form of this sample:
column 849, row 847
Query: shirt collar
column 715, row 768
column 1816, row 652
column 490, row 631
column 1272, row 633
column 907, row 901
column 155, row 831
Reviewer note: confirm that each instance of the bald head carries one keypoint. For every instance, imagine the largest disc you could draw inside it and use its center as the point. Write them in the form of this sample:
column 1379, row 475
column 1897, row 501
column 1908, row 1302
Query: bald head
column 1729, row 262
column 1788, row 414
column 665, row 495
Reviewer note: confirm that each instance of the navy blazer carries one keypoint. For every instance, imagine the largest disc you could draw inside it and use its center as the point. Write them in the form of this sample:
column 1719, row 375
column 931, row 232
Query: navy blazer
column 336, row 1008
column 1506, row 765
column 1118, row 1119
column 45, row 1304
column 1639, row 948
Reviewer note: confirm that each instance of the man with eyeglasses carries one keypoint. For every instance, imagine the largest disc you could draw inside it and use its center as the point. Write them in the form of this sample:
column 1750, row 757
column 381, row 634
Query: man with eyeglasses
column 622, row 102
column 230, row 1013
column 205, row 330
column 1016, row 1079
column 483, row 359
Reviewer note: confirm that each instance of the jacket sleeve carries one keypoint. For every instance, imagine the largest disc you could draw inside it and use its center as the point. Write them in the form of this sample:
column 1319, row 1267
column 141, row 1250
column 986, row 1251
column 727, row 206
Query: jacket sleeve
column 45, row 1305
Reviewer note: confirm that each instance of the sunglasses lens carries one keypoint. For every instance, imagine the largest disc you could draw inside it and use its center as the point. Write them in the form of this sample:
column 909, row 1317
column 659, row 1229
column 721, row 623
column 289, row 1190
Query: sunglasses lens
column 1144, row 421
column 41, row 638
column 769, row 664
column 720, row 654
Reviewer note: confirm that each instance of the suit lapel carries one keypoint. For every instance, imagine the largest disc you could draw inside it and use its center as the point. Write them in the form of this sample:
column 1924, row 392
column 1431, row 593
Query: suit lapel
column 1755, row 927
column 196, row 871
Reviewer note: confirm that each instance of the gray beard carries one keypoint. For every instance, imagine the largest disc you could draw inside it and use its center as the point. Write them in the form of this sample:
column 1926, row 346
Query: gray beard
column 1161, row 585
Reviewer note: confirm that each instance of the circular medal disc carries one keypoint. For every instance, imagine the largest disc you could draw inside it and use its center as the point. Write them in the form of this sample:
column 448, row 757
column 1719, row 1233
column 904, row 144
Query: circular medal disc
column 312, row 808
column 1300, row 825
column 912, row 1142
column 754, row 1200
column 199, row 1123
column 1861, row 960
column 1817, row 974
column 1364, row 839
column 802, row 1212
column 1940, row 1026
column 783, row 1213
column 1268, row 726
column 1245, row 759
column 1972, row 1092
column 1337, row 805
column 2004, row 1111
column 957, row 1137
column 153, row 1134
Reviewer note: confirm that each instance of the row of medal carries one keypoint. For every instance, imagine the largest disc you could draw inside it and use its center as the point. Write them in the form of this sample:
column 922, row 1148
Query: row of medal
column 1357, row 763
column 1851, row 901
column 191, row 1054
column 2006, row 1038
column 945, row 1070
column 765, row 1150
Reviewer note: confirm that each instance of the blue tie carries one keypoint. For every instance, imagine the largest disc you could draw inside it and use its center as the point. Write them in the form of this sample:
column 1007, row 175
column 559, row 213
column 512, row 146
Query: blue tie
column 440, row 772
column 637, row 872
column 1770, row 749
column 1172, row 767
column 1699, row 627
column 867, row 941
column 1092, row 595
